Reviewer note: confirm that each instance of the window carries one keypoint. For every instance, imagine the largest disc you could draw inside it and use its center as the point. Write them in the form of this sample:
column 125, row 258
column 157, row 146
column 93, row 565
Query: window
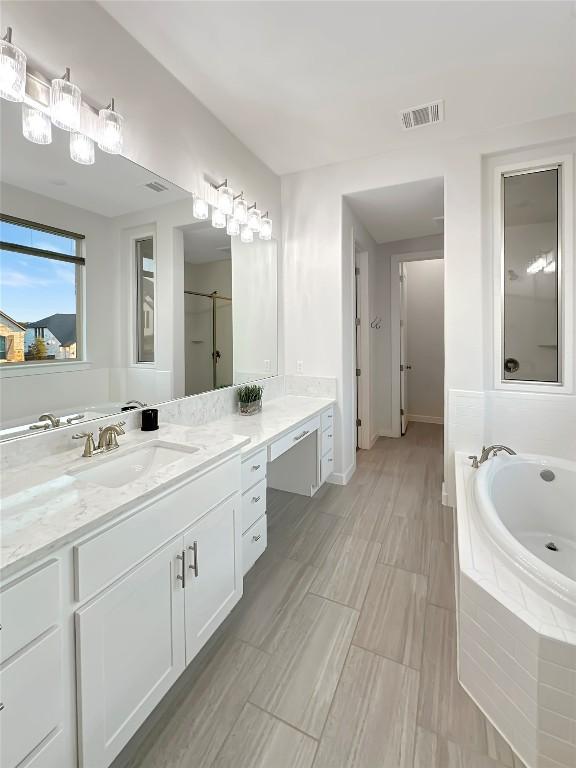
column 145, row 285
column 41, row 272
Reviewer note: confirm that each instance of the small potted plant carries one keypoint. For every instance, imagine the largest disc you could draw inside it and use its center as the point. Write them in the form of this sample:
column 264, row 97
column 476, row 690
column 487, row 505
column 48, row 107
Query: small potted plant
column 250, row 399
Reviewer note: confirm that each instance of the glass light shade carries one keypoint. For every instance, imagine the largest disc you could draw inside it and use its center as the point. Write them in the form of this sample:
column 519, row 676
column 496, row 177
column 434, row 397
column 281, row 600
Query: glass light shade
column 226, row 200
column 200, row 209
column 246, row 235
column 12, row 72
column 232, row 227
column 110, row 131
column 254, row 219
column 240, row 210
column 81, row 148
column 265, row 228
column 65, row 99
column 36, row 125
column 218, row 218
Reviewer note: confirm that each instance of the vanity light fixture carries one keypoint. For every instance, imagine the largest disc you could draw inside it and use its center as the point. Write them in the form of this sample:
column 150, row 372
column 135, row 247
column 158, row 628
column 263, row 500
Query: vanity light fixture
column 12, row 69
column 240, row 209
column 232, row 227
column 246, row 234
column 225, row 198
column 200, row 208
column 65, row 100
column 254, row 217
column 265, row 227
column 36, row 125
column 218, row 218
column 110, row 130
column 81, row 148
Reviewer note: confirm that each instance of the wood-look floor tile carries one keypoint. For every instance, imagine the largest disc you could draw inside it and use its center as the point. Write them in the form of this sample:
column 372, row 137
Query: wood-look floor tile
column 301, row 677
column 392, row 618
column 368, row 520
column 345, row 575
column 199, row 722
column 444, row 707
column 259, row 740
column 313, row 540
column 372, row 720
column 272, row 594
column 441, row 579
column 406, row 545
column 433, row 751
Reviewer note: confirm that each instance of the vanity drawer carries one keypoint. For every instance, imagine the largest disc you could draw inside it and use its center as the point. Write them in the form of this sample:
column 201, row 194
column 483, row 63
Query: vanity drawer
column 28, row 607
column 327, row 441
column 284, row 444
column 253, row 543
column 253, row 469
column 327, row 418
column 31, row 692
column 105, row 556
column 326, row 466
column 253, row 505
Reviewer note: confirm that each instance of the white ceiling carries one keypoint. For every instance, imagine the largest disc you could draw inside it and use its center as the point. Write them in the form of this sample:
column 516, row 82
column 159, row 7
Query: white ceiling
column 203, row 243
column 402, row 211
column 304, row 84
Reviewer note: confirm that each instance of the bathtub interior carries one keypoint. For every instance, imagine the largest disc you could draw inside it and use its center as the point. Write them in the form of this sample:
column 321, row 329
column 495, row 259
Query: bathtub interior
column 539, row 510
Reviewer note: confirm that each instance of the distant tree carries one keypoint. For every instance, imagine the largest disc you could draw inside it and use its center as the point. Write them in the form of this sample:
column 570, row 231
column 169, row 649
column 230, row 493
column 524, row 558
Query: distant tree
column 38, row 349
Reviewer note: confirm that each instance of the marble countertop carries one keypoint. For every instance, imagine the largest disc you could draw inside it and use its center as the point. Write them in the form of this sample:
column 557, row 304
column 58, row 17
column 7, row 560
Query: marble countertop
column 45, row 505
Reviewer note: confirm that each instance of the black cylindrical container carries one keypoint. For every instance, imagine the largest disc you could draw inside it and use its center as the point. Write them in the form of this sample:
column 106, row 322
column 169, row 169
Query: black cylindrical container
column 149, row 419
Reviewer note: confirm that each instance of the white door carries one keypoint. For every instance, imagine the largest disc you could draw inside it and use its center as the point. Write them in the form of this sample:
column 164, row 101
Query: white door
column 404, row 365
column 130, row 644
column 213, row 572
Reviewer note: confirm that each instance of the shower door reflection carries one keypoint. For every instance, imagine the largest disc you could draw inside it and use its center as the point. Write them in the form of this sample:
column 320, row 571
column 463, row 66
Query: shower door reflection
column 208, row 341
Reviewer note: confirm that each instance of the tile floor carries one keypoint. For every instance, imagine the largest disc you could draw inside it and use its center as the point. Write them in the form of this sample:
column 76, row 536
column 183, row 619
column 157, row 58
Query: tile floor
column 341, row 654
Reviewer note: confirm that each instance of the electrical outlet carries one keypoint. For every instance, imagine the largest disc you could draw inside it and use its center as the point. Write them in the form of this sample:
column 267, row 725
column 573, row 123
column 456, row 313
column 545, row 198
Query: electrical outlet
column 267, row 366
column 299, row 366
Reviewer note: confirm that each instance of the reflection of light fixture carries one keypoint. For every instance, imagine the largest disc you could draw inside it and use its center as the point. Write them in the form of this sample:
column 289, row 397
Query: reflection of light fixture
column 253, row 221
column 81, row 148
column 265, row 227
column 36, row 125
column 12, row 69
column 545, row 262
column 246, row 235
column 240, row 209
column 232, row 227
column 218, row 218
column 550, row 266
column 65, row 100
column 200, row 208
column 110, row 130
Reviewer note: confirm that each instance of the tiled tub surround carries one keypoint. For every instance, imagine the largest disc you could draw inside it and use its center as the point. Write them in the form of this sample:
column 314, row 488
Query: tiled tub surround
column 516, row 641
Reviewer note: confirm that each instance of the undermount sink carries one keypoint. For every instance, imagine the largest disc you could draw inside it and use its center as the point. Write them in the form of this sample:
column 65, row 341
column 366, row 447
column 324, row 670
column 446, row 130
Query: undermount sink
column 126, row 465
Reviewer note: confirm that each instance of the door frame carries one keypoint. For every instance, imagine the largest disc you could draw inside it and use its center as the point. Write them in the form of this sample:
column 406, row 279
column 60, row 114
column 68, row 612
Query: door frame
column 395, row 361
column 361, row 348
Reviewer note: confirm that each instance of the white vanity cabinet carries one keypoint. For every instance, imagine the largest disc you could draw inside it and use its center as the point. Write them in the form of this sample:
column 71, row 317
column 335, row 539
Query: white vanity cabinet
column 253, row 508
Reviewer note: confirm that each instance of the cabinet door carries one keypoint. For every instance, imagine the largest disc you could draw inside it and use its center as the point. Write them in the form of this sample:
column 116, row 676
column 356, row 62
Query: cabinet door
column 130, row 648
column 213, row 572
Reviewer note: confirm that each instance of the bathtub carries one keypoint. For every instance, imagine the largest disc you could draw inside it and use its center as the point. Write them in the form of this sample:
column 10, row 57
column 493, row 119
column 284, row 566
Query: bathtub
column 515, row 564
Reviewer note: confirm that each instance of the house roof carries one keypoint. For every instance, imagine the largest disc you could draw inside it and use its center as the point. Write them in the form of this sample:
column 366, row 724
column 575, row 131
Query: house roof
column 63, row 327
column 11, row 321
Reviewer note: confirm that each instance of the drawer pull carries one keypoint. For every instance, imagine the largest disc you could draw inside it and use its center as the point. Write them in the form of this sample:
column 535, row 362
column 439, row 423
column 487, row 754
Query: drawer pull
column 329, row 435
column 257, row 538
column 182, row 576
column 301, row 435
column 256, row 467
column 256, row 499
column 330, row 460
column 194, row 565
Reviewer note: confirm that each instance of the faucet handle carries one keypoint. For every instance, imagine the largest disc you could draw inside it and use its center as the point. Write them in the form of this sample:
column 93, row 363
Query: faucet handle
column 81, row 435
column 89, row 446
column 120, row 425
column 474, row 460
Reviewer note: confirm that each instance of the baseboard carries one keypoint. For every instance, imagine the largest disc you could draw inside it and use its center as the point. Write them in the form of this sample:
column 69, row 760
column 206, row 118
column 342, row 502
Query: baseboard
column 445, row 496
column 342, row 478
column 386, row 433
column 426, row 419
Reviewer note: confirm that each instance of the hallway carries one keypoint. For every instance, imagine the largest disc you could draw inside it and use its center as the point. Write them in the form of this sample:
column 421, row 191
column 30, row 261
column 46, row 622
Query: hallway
column 342, row 651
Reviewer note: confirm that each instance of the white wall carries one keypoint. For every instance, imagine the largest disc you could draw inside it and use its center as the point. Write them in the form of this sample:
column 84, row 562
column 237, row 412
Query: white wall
column 425, row 338
column 318, row 253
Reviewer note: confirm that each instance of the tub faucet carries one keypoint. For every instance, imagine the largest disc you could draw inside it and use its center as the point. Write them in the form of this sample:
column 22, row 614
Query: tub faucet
column 492, row 450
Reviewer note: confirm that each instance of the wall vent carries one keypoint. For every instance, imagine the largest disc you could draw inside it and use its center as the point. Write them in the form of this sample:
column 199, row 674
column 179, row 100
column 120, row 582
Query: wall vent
column 155, row 186
column 426, row 114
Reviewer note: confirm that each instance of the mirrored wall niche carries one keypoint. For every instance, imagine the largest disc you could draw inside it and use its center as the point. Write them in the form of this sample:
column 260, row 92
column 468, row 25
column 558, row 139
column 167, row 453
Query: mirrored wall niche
column 111, row 291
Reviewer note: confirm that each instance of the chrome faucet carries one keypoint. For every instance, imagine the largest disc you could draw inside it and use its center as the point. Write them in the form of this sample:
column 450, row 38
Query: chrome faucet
column 492, row 450
column 108, row 436
column 139, row 403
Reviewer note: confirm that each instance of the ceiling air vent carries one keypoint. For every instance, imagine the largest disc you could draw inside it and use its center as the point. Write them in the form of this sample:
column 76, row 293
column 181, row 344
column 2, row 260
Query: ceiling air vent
column 155, row 186
column 416, row 117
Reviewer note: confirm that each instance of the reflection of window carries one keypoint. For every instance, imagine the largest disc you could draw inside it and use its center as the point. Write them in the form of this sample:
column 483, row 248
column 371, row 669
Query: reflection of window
column 40, row 301
column 2, row 347
column 145, row 284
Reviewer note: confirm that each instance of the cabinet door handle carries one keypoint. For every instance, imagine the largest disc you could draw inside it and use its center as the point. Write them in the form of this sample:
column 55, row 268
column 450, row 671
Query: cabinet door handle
column 329, row 435
column 256, row 499
column 257, row 538
column 182, row 576
column 256, row 467
column 194, row 565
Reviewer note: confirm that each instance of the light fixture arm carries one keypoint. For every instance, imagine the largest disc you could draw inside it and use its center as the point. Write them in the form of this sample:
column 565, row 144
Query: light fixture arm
column 239, row 197
column 111, row 105
column 66, row 75
column 252, row 206
column 8, row 36
column 219, row 186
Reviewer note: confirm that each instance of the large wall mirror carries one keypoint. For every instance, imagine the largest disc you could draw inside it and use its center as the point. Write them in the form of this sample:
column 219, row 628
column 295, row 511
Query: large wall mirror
column 112, row 292
column 532, row 263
